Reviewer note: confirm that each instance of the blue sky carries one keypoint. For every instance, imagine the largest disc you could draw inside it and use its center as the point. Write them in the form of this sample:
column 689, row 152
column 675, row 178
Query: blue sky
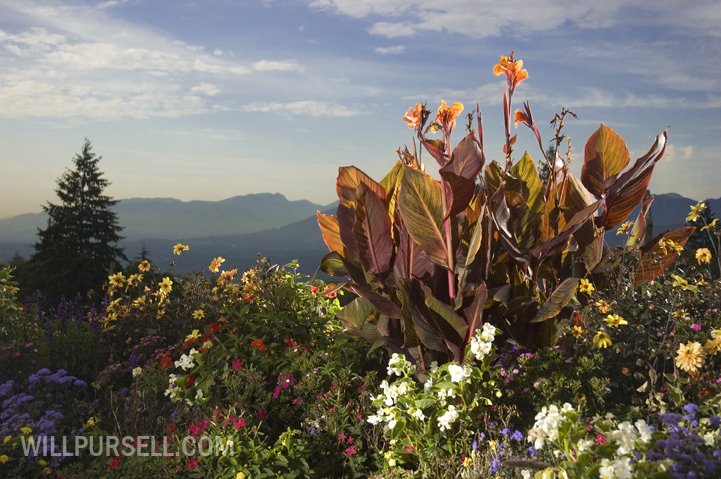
column 215, row 98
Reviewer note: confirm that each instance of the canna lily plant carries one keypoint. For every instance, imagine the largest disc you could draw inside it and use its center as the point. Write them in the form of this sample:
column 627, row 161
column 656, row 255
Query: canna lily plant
column 431, row 260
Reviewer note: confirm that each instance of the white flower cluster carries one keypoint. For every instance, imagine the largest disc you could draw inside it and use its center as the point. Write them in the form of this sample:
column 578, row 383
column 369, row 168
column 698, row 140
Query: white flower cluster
column 399, row 365
column 459, row 373
column 186, row 360
column 617, row 469
column 626, row 435
column 482, row 341
column 546, row 425
column 447, row 418
column 173, row 391
column 392, row 391
column 386, row 415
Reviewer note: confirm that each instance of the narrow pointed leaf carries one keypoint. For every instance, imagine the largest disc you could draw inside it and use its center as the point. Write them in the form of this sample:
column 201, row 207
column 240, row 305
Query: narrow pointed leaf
column 638, row 234
column 474, row 312
column 561, row 296
column 421, row 209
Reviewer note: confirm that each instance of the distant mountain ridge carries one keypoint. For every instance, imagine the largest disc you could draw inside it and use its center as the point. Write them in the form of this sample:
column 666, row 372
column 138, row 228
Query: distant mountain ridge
column 270, row 232
column 169, row 218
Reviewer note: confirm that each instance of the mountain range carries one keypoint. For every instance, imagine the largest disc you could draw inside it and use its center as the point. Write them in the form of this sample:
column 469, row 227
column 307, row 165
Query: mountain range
column 240, row 227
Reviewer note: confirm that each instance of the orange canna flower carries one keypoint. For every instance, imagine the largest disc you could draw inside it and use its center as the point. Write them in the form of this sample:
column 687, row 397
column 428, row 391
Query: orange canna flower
column 447, row 114
column 414, row 116
column 513, row 69
column 520, row 117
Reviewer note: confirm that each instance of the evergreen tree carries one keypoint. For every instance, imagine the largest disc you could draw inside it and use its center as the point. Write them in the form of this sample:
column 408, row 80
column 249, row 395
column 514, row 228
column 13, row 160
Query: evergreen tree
column 77, row 250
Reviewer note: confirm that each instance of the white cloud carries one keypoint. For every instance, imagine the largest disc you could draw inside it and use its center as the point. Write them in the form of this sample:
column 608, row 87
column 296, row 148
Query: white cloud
column 276, row 66
column 307, row 108
column 65, row 61
column 486, row 18
column 392, row 29
column 393, row 50
column 674, row 153
column 205, row 89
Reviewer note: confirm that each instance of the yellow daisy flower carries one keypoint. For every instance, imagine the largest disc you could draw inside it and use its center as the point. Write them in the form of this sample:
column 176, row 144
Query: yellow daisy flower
column 166, row 286
column 703, row 256
column 602, row 340
column 614, row 320
column 199, row 314
column 586, row 286
column 690, row 356
column 144, row 266
column 696, row 211
column 215, row 264
column 603, row 306
column 180, row 248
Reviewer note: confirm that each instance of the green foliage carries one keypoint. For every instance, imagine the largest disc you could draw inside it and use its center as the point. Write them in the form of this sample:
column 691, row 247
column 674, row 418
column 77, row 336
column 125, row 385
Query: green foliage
column 79, row 245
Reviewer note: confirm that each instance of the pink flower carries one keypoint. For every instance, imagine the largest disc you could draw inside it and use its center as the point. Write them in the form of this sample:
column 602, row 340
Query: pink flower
column 341, row 437
column 262, row 414
column 192, row 463
column 236, row 365
column 696, row 327
column 350, row 451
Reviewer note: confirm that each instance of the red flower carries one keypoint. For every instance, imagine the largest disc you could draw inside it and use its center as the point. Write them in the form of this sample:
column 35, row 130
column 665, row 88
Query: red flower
column 314, row 290
column 214, row 327
column 600, row 439
column 171, row 428
column 192, row 463
column 329, row 291
column 238, row 422
column 258, row 344
column 114, row 463
column 236, row 365
column 166, row 361
column 350, row 451
column 262, row 414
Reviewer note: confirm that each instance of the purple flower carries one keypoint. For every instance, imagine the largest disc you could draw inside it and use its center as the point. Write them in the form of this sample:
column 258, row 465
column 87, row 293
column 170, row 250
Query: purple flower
column 517, row 435
column 696, row 327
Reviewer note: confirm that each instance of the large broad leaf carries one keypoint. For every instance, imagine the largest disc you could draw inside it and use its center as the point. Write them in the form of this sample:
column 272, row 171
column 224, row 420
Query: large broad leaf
column 627, row 192
column 560, row 297
column 558, row 243
column 330, row 230
column 358, row 314
column 382, row 303
column 346, row 218
column 459, row 192
column 654, row 260
column 421, row 318
column 421, row 208
column 391, row 183
column 605, row 156
column 466, row 160
column 493, row 176
column 373, row 232
column 525, row 170
column 445, row 311
column 349, row 179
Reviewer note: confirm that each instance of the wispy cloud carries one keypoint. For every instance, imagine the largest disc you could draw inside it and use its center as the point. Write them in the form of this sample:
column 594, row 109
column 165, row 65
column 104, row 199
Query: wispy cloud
column 487, row 18
column 392, row 50
column 65, row 60
column 306, row 108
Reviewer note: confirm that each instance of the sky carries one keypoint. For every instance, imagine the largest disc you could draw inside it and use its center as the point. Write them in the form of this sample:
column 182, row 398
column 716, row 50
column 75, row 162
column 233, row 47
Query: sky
column 210, row 99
